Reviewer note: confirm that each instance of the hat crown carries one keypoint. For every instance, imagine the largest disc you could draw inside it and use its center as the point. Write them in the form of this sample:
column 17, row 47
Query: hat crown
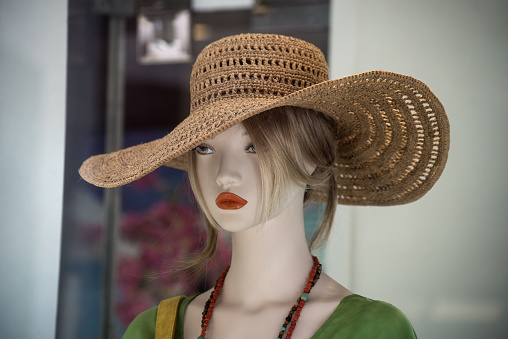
column 255, row 66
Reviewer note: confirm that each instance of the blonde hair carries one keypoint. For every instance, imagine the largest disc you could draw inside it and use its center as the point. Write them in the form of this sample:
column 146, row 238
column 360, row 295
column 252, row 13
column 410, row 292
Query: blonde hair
column 284, row 138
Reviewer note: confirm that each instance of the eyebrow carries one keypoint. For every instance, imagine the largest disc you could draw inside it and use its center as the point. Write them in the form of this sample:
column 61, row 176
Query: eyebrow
column 245, row 133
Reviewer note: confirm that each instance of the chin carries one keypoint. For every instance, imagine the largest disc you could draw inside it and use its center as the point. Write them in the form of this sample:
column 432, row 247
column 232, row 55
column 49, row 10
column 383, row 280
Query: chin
column 234, row 221
column 234, row 225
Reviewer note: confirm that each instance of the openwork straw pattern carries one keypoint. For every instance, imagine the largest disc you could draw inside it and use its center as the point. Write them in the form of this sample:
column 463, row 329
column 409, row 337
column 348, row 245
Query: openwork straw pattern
column 393, row 133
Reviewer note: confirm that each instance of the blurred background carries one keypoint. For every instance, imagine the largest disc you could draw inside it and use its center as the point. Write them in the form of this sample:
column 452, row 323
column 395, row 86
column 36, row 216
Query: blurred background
column 82, row 77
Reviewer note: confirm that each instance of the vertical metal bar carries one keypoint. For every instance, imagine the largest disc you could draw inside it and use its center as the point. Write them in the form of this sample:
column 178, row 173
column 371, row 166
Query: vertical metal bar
column 114, row 141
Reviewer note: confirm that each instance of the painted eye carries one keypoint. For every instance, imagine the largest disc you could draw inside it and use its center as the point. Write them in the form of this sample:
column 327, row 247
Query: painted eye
column 202, row 149
column 250, row 149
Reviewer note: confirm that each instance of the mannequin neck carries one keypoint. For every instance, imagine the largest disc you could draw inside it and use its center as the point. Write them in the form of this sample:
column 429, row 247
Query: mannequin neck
column 270, row 261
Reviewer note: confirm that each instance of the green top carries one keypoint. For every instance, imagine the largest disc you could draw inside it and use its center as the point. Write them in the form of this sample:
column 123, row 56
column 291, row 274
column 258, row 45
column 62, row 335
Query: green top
column 355, row 317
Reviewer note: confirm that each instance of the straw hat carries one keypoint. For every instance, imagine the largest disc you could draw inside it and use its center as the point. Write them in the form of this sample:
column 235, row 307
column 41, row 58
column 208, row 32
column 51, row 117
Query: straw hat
column 393, row 133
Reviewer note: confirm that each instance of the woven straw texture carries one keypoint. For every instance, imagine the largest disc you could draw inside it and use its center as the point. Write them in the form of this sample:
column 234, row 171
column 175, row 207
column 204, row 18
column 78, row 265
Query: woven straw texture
column 393, row 133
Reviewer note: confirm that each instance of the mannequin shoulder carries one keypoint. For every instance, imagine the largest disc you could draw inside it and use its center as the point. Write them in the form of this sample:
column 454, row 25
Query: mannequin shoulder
column 325, row 296
column 350, row 315
column 324, row 299
column 329, row 290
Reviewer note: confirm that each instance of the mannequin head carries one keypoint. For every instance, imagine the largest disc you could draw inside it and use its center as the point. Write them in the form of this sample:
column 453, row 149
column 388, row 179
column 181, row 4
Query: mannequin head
column 293, row 146
column 227, row 170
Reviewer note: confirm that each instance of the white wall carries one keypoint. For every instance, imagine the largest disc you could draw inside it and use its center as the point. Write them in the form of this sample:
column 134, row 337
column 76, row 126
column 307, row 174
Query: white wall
column 443, row 258
column 33, row 50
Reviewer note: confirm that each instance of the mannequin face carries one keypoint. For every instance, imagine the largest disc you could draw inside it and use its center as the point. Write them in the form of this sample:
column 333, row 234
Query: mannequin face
column 226, row 165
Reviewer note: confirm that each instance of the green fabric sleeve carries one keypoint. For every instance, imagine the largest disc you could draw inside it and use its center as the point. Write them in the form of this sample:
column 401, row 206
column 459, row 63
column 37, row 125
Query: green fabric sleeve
column 143, row 326
column 361, row 317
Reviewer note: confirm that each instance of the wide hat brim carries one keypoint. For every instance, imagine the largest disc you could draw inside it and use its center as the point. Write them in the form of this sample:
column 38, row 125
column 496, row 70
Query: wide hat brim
column 393, row 137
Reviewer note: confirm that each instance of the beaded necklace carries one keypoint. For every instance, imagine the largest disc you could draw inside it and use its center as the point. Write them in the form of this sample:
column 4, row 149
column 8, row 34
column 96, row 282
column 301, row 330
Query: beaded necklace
column 294, row 313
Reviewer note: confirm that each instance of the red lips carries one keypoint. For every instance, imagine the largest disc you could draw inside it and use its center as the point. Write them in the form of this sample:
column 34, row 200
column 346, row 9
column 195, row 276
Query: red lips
column 229, row 201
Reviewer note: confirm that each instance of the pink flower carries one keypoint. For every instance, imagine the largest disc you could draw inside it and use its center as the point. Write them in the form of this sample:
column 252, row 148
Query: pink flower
column 162, row 236
column 133, row 305
column 152, row 257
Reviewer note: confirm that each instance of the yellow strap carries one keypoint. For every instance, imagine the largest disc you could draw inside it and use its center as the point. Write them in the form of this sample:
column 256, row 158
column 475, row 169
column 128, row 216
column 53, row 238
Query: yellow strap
column 166, row 318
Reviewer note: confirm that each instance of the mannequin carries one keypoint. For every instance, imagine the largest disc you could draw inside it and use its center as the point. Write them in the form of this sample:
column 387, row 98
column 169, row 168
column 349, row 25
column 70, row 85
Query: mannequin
column 271, row 259
column 268, row 131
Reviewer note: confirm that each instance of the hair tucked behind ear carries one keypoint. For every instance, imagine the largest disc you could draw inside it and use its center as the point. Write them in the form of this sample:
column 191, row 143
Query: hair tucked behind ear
column 288, row 141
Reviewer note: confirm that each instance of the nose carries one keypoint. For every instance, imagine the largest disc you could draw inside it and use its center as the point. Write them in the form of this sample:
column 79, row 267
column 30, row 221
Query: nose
column 229, row 174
